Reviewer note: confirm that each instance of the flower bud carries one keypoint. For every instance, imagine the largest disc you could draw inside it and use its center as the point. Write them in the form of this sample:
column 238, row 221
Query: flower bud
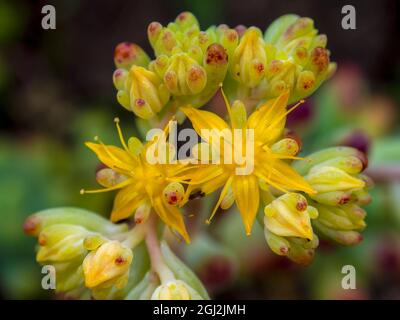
column 184, row 75
column 238, row 114
column 304, row 166
column 278, row 244
column 296, row 44
column 174, row 193
column 340, row 218
column 327, row 179
column 119, row 78
column 108, row 177
column 173, row 290
column 127, row 54
column 108, row 265
column 249, row 58
column 228, row 200
column 347, row 238
column 147, row 94
column 61, row 242
column 35, row 223
column 289, row 216
column 142, row 213
column 287, row 146
column 186, row 20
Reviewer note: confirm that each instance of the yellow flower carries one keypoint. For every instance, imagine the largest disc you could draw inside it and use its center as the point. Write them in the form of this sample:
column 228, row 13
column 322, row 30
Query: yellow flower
column 142, row 182
column 268, row 159
column 107, row 265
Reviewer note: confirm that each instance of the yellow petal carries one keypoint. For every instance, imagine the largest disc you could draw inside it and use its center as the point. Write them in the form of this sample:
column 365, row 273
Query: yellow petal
column 171, row 216
column 206, row 120
column 268, row 121
column 126, row 202
column 246, row 193
column 282, row 176
column 113, row 157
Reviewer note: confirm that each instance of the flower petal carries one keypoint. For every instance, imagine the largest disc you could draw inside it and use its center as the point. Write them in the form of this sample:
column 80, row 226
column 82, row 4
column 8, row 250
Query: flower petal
column 171, row 216
column 247, row 198
column 113, row 157
column 126, row 202
column 207, row 120
column 268, row 121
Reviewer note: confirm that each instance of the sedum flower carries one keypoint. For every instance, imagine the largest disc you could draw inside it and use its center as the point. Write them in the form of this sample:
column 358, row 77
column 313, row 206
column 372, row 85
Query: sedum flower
column 141, row 91
column 299, row 250
column 289, row 216
column 107, row 265
column 267, row 162
column 249, row 58
column 61, row 242
column 175, row 290
column 141, row 182
column 335, row 173
column 61, row 236
column 188, row 68
column 298, row 58
column 291, row 55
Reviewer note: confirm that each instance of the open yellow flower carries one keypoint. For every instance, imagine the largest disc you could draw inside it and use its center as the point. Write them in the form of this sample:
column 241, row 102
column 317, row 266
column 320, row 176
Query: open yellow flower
column 139, row 182
column 269, row 167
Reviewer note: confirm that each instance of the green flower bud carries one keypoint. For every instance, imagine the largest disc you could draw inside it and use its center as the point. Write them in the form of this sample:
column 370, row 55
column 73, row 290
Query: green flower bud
column 341, row 218
column 147, row 94
column 346, row 238
column 238, row 114
column 249, row 59
column 298, row 58
column 184, row 76
column 35, row 223
column 286, row 146
column 327, row 179
column 61, row 242
column 128, row 54
column 304, row 166
column 119, row 78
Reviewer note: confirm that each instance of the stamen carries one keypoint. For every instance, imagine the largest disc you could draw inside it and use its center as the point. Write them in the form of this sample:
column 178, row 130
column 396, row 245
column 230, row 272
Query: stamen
column 228, row 106
column 121, row 137
column 117, row 186
column 286, row 113
column 221, row 197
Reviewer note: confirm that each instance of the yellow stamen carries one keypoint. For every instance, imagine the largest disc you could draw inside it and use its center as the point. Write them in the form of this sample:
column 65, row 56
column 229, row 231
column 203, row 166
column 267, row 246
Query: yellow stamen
column 221, row 197
column 121, row 137
column 286, row 113
column 117, row 186
column 227, row 104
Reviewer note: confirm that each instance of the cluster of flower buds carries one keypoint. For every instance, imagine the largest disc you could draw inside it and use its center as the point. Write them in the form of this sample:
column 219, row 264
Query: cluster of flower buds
column 287, row 227
column 290, row 55
column 94, row 257
column 61, row 235
column 335, row 173
column 292, row 221
column 188, row 68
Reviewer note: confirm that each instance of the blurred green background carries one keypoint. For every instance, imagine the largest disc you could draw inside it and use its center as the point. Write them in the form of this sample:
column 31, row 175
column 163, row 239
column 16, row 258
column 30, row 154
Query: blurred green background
column 56, row 92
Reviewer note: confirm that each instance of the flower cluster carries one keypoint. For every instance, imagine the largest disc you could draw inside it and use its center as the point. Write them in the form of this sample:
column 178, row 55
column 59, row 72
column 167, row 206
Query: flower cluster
column 294, row 198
